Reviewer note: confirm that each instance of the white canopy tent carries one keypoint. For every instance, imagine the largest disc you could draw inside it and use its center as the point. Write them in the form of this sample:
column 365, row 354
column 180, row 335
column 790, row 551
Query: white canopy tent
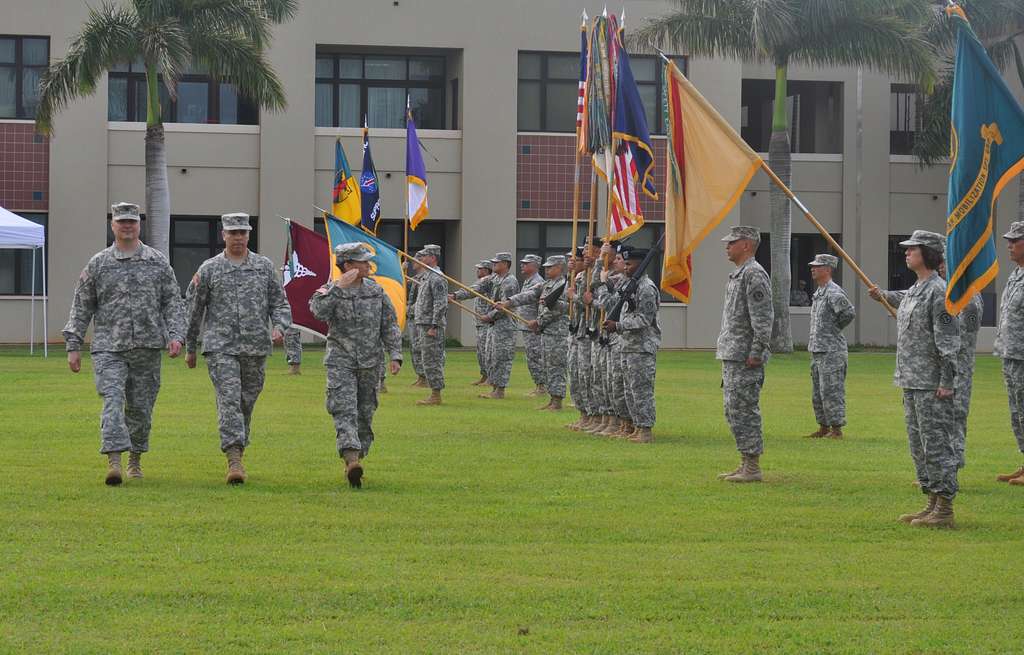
column 20, row 233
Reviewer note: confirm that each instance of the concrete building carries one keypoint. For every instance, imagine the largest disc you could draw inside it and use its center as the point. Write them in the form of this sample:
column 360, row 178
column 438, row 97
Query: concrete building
column 493, row 86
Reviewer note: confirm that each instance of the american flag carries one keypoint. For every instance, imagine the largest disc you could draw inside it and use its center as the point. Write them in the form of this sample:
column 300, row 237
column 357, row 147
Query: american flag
column 626, row 215
column 581, row 101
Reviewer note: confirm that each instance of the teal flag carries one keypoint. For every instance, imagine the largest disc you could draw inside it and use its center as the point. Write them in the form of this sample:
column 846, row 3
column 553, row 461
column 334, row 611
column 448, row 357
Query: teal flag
column 987, row 151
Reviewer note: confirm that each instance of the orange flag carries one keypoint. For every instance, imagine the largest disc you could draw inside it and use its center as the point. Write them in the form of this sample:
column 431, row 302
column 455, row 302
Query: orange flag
column 709, row 166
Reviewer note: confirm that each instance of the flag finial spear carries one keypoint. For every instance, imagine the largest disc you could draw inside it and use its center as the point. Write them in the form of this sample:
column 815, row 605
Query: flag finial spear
column 584, row 17
column 605, row 12
column 622, row 17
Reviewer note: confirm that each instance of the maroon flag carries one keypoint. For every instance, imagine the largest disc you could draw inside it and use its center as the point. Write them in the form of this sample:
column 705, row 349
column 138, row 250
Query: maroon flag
column 308, row 268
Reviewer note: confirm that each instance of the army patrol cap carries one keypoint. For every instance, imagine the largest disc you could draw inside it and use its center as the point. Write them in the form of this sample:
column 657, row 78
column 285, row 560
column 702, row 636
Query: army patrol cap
column 485, row 263
column 932, row 240
column 503, row 257
column 1016, row 231
column 554, row 260
column 236, row 221
column 737, row 232
column 635, row 254
column 353, row 251
column 124, row 211
column 431, row 249
column 824, row 260
column 531, row 259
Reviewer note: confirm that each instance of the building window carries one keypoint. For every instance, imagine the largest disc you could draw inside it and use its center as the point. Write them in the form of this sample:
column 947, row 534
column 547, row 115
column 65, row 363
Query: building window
column 904, row 121
column 194, row 239
column 802, row 249
column 549, row 90
column 815, row 115
column 200, row 98
column 23, row 60
column 390, row 231
column 16, row 265
column 350, row 87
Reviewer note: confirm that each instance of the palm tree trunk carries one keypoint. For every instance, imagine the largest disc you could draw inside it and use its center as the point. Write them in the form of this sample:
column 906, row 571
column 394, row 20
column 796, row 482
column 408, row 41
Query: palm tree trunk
column 780, row 160
column 158, row 195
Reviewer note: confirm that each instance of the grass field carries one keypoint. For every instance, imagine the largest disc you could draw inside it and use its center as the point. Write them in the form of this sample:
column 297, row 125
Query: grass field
column 486, row 527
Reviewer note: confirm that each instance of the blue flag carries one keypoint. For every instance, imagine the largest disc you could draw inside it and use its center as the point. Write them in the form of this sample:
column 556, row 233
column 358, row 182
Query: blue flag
column 631, row 125
column 987, row 151
column 369, row 192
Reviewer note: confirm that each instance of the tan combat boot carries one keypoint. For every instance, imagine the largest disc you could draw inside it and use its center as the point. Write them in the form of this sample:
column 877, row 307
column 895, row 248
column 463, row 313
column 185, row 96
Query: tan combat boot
column 612, row 427
column 481, row 382
column 294, row 369
column 433, row 399
column 135, row 466
column 114, row 476
column 626, row 428
column 751, row 471
column 643, row 435
column 1006, row 477
column 737, row 471
column 819, row 433
column 236, row 472
column 353, row 468
column 908, row 518
column 835, row 432
column 538, row 391
column 940, row 517
column 420, row 382
column 596, row 424
column 556, row 404
column 1017, row 481
column 498, row 393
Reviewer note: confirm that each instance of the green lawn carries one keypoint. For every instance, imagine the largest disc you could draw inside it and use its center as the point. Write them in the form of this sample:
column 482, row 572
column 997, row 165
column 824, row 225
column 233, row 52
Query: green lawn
column 486, row 527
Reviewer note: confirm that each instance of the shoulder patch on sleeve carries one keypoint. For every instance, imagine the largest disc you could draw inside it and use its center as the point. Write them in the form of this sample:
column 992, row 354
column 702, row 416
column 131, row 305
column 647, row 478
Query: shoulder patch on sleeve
column 758, row 295
column 946, row 318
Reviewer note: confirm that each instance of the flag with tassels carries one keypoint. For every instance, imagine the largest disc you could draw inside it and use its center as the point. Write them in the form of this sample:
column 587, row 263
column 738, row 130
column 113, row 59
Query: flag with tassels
column 345, row 191
column 581, row 99
column 369, row 191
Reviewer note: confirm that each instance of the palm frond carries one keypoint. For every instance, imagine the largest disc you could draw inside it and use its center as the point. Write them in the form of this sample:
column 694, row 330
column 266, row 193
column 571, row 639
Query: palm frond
column 931, row 140
column 697, row 34
column 233, row 57
column 165, row 47
column 773, row 27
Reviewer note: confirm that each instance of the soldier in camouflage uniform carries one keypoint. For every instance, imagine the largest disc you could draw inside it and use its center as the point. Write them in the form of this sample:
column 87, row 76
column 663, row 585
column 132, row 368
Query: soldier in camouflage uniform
column 641, row 338
column 529, row 266
column 970, row 323
column 415, row 281
column 831, row 311
column 743, row 348
column 501, row 346
column 1009, row 344
column 927, row 343
column 236, row 308
column 597, row 381
column 363, row 329
column 431, row 321
column 579, row 343
column 483, row 286
column 129, row 293
column 613, row 279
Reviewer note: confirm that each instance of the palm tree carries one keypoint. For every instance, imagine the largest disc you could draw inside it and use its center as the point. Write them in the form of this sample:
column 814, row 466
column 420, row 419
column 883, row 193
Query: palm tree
column 226, row 37
column 879, row 34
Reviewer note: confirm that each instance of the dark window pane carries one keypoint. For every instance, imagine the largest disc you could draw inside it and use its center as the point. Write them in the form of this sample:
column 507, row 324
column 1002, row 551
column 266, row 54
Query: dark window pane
column 529, row 66
column 350, row 68
column 324, row 67
column 8, row 90
column 564, row 67
column 649, row 96
column 426, row 68
column 386, row 106
column 560, row 112
column 228, row 101
column 528, row 235
column 34, row 52
column 30, row 78
column 559, row 235
column 141, row 102
column 385, row 68
column 8, row 261
column 165, row 105
column 528, row 107
column 185, row 261
column 6, row 51
column 117, row 99
column 348, row 105
column 191, row 232
column 644, row 69
column 193, row 102
column 427, row 108
column 324, row 106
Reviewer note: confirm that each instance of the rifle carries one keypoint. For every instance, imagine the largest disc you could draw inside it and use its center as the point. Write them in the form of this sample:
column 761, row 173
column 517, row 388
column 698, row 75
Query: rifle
column 555, row 294
column 629, row 290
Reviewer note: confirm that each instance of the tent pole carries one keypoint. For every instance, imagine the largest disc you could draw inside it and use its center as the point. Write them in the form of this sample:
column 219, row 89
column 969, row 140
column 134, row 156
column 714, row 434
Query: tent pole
column 32, row 321
column 46, row 345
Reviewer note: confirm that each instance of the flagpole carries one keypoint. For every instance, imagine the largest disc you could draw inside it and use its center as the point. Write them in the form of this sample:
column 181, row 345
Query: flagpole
column 828, row 237
column 592, row 219
column 453, row 301
column 575, row 212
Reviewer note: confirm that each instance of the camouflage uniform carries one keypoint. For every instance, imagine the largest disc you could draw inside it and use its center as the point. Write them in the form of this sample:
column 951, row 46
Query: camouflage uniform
column 134, row 303
column 502, row 342
column 927, row 343
column 579, row 352
column 597, row 380
column 641, row 337
column 553, row 330
column 1009, row 346
column 831, row 311
column 483, row 286
column 970, row 323
column 410, row 322
column 746, row 332
column 293, row 346
column 363, row 332
column 231, row 308
column 432, row 312
column 608, row 296
column 532, row 341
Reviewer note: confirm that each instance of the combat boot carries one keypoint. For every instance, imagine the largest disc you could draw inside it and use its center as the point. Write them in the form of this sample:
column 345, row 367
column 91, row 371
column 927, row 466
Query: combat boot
column 611, row 427
column 114, row 476
column 908, row 518
column 750, row 472
column 135, row 466
column 433, row 399
column 236, row 472
column 737, row 471
column 1018, row 481
column 294, row 369
column 940, row 517
column 353, row 468
column 481, row 382
column 626, row 428
column 1006, row 477
column 420, row 382
column 556, row 404
column 819, row 433
column 835, row 432
column 538, row 391
column 498, row 393
column 597, row 425
column 643, row 435
column 575, row 425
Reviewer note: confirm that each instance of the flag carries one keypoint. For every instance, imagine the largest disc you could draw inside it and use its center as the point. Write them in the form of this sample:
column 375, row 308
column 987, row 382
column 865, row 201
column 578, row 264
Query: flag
column 581, row 99
column 987, row 151
column 308, row 268
column 415, row 175
column 345, row 194
column 369, row 192
column 385, row 267
column 709, row 166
